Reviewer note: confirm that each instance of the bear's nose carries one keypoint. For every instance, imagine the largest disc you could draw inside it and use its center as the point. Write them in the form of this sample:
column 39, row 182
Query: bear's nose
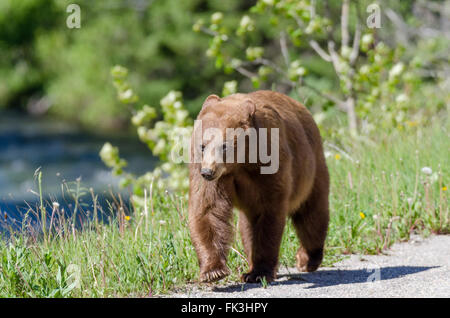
column 208, row 174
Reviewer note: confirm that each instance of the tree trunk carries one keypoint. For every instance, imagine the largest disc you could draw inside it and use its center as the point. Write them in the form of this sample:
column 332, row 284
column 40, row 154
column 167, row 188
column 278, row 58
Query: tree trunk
column 351, row 115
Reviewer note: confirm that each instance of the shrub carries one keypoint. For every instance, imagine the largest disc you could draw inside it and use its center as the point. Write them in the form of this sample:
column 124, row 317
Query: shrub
column 161, row 136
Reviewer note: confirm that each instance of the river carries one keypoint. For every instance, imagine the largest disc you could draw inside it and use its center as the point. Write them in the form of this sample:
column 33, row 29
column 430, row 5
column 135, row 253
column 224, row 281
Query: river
column 63, row 153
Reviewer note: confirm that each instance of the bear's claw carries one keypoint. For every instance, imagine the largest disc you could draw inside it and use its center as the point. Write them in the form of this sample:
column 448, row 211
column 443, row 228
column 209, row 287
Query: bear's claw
column 257, row 277
column 214, row 275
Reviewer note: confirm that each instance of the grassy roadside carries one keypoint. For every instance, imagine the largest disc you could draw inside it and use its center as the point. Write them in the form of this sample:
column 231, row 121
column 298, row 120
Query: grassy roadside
column 380, row 194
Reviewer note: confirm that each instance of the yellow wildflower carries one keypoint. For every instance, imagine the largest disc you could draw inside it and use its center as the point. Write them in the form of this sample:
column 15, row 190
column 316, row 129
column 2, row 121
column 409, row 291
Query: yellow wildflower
column 444, row 188
column 412, row 123
column 362, row 215
column 337, row 156
column 127, row 217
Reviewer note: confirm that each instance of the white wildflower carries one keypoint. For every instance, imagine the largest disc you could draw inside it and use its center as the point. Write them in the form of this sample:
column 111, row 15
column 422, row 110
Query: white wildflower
column 396, row 70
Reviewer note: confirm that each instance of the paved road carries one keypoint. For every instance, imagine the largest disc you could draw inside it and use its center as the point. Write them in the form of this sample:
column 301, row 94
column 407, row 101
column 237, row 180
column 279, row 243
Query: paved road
column 418, row 268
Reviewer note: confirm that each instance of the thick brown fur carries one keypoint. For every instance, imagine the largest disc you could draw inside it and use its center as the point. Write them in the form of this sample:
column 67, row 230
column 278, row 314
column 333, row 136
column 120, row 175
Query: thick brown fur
column 298, row 190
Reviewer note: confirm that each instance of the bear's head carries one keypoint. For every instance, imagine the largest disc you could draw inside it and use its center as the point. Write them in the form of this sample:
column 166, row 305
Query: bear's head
column 219, row 139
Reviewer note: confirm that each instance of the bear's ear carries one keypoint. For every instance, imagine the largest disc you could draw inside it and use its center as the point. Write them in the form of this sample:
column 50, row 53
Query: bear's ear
column 210, row 100
column 250, row 108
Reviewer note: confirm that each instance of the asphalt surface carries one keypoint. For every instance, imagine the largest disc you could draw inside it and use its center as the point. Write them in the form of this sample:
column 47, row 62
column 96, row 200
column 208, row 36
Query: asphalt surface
column 418, row 268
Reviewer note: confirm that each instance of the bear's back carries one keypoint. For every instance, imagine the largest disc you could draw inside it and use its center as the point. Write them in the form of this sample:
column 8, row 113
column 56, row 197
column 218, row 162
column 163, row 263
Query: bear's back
column 292, row 115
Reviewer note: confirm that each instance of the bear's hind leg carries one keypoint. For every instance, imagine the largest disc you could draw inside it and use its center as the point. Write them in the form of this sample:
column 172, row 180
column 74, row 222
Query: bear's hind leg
column 311, row 224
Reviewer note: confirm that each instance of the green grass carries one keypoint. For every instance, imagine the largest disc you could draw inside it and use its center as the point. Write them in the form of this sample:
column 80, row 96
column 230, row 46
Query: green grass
column 379, row 196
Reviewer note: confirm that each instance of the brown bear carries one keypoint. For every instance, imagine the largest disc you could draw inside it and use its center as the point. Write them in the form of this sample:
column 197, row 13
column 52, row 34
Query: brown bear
column 298, row 189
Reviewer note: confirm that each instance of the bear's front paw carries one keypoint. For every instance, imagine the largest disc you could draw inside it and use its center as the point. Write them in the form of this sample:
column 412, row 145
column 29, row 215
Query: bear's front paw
column 214, row 275
column 258, row 277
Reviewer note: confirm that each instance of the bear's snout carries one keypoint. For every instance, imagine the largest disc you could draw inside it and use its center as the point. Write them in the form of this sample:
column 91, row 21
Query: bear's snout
column 208, row 174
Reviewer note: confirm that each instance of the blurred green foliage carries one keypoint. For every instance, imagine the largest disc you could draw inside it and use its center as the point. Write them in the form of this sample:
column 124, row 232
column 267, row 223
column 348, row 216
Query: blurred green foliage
column 47, row 67
column 324, row 57
column 69, row 69
column 21, row 73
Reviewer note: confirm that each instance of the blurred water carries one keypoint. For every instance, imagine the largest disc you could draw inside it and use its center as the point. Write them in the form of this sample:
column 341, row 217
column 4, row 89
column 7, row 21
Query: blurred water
column 63, row 154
